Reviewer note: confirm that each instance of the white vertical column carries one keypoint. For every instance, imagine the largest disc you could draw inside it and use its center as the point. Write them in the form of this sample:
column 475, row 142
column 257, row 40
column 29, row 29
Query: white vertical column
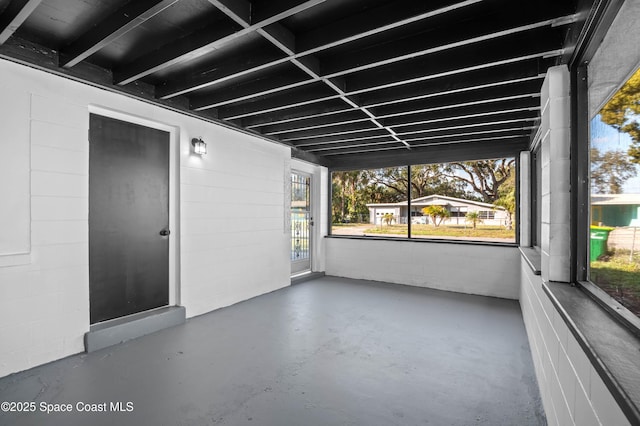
column 525, row 199
column 555, row 158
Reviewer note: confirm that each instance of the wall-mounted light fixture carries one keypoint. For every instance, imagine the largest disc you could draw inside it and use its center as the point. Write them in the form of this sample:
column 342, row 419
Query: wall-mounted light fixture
column 199, row 147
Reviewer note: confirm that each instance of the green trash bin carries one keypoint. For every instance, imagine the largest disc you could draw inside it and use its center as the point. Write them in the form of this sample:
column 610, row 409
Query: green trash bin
column 598, row 241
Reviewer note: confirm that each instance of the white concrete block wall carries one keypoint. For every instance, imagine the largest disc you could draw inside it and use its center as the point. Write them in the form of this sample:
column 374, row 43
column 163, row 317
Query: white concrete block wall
column 233, row 244
column 555, row 159
column 463, row 268
column 572, row 391
column 232, row 234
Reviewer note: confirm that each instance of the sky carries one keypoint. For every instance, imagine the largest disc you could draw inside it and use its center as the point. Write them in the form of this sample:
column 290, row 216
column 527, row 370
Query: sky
column 606, row 138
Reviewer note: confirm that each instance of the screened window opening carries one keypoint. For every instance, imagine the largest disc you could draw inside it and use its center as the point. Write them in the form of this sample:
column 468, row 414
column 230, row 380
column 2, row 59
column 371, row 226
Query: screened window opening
column 370, row 202
column 472, row 200
column 614, row 234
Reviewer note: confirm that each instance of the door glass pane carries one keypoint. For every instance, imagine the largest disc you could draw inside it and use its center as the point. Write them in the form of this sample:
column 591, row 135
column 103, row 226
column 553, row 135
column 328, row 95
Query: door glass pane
column 614, row 237
column 300, row 217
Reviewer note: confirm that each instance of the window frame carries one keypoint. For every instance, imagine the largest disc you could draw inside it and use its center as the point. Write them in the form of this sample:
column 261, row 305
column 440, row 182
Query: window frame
column 581, row 268
column 408, row 217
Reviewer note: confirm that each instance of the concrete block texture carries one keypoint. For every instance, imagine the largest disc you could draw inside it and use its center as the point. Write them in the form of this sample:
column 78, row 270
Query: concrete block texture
column 571, row 389
column 235, row 196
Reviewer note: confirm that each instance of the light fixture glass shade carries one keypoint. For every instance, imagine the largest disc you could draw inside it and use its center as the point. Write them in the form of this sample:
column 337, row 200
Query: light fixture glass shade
column 199, row 147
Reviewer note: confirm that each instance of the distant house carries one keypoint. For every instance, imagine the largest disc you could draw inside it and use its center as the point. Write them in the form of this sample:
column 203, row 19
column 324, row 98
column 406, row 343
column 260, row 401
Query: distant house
column 614, row 209
column 457, row 207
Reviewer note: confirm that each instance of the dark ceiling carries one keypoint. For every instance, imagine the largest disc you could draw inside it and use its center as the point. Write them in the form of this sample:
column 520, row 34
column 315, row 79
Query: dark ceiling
column 345, row 82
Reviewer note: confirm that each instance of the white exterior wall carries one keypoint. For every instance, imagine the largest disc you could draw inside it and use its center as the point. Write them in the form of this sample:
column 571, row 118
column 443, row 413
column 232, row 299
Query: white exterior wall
column 555, row 128
column 376, row 213
column 463, row 268
column 572, row 391
column 234, row 243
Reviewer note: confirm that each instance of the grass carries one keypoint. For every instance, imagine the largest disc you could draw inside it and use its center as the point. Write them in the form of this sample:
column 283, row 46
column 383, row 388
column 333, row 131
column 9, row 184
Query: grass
column 482, row 231
column 619, row 276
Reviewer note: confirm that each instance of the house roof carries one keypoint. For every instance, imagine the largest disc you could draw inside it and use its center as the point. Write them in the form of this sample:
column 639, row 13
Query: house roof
column 438, row 200
column 615, row 199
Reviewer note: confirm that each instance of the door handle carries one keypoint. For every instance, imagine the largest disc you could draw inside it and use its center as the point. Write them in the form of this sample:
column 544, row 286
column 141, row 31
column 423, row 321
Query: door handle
column 165, row 232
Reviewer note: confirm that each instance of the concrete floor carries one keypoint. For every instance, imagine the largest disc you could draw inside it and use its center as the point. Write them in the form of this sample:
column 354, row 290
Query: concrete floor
column 330, row 351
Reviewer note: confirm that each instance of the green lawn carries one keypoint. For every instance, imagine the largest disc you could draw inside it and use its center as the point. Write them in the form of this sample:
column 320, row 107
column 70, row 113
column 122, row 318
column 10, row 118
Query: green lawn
column 619, row 276
column 482, row 231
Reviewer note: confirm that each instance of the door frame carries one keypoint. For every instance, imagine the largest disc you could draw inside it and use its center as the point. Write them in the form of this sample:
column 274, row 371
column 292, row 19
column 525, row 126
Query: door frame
column 174, row 185
column 312, row 236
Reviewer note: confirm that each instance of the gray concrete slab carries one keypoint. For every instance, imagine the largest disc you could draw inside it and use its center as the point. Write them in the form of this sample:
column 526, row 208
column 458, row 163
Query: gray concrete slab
column 326, row 352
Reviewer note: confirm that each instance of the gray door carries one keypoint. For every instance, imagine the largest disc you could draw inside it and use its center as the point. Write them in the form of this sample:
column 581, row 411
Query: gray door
column 301, row 222
column 128, row 218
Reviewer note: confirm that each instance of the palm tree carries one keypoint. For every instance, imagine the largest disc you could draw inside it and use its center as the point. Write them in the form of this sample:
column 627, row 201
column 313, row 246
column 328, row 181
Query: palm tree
column 474, row 218
column 436, row 213
column 387, row 218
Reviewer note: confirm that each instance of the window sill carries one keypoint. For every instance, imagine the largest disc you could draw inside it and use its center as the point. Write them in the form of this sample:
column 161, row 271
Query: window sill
column 424, row 240
column 533, row 258
column 612, row 348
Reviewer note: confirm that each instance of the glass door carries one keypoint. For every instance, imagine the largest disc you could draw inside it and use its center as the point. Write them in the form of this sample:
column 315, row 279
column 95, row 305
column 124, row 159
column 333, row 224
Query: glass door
column 301, row 223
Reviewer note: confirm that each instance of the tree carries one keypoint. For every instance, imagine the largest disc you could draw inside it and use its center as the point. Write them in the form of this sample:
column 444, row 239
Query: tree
column 622, row 111
column 429, row 179
column 425, row 180
column 474, row 218
column 347, row 203
column 610, row 170
column 436, row 213
column 507, row 199
column 484, row 176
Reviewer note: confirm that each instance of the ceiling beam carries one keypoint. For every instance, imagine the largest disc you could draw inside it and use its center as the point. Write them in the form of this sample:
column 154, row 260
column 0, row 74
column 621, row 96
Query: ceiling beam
column 205, row 41
column 335, row 129
column 527, row 88
column 418, row 121
column 363, row 148
column 367, row 147
column 125, row 19
column 526, row 70
column 492, row 53
column 367, row 24
column 464, row 120
column 294, row 98
column 178, row 51
column 465, row 59
column 270, row 110
column 456, row 125
column 285, row 40
column 437, row 41
column 520, row 131
column 14, row 15
column 462, row 136
column 338, row 141
column 409, row 130
column 239, row 65
column 483, row 127
column 471, row 123
column 429, row 155
column 287, row 79
column 342, row 133
column 516, row 90
column 351, row 116
column 238, row 10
